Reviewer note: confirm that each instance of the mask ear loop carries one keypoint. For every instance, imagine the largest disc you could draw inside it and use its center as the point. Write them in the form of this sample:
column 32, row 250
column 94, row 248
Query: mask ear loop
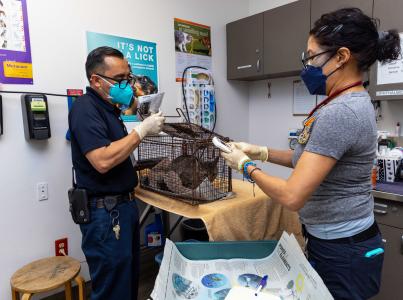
column 110, row 84
column 334, row 71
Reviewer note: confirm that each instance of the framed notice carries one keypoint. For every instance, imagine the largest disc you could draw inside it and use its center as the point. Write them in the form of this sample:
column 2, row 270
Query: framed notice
column 387, row 79
column 392, row 72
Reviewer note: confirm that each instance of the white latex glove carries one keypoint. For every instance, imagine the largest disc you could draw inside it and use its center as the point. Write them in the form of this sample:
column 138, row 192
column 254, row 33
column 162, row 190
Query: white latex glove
column 151, row 125
column 235, row 159
column 253, row 151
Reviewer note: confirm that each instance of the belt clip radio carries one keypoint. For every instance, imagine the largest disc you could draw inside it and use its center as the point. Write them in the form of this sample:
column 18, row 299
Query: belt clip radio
column 79, row 204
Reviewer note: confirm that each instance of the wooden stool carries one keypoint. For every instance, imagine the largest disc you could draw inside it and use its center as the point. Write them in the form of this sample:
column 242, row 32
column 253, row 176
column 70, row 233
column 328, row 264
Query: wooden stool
column 47, row 274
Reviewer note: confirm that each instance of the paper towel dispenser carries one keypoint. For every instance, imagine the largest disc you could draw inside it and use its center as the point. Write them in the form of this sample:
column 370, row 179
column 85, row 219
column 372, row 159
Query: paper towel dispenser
column 35, row 115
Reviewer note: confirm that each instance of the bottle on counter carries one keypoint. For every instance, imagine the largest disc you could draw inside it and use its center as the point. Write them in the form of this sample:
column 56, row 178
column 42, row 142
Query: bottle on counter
column 397, row 129
column 374, row 173
column 383, row 146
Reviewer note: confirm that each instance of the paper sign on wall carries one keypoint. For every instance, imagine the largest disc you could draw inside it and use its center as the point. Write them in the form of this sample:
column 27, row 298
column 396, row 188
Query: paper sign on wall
column 392, row 72
column 192, row 46
column 15, row 48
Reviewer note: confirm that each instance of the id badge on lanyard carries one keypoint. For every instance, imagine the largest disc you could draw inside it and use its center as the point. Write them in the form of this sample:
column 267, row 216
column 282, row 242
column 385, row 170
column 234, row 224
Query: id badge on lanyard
column 306, row 132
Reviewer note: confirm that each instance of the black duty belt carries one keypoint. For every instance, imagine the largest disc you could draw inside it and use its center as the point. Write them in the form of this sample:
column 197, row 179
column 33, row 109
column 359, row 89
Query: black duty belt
column 110, row 201
column 372, row 231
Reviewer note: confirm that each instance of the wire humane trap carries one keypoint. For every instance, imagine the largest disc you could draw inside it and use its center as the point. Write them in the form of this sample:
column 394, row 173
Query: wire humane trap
column 183, row 163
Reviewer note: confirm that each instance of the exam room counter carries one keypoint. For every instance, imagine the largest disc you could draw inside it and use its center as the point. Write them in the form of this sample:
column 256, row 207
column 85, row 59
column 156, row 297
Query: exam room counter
column 389, row 191
column 247, row 216
column 388, row 209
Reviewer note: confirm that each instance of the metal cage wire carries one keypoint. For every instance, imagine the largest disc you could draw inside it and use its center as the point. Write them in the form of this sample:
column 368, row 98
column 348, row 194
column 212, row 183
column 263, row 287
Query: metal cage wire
column 183, row 163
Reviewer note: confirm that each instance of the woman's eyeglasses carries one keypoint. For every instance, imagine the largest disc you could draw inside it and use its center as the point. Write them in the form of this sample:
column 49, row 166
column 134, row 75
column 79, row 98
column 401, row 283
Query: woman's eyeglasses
column 306, row 59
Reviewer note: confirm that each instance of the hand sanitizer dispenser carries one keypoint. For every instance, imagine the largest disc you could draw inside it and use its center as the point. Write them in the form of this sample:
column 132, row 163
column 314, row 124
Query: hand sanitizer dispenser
column 35, row 115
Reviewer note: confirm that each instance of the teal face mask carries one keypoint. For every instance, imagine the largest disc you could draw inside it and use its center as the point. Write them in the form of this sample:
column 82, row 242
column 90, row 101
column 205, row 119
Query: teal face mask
column 119, row 95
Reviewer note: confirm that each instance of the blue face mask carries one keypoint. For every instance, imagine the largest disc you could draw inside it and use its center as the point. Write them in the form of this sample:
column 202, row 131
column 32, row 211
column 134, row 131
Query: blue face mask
column 121, row 96
column 118, row 95
column 314, row 80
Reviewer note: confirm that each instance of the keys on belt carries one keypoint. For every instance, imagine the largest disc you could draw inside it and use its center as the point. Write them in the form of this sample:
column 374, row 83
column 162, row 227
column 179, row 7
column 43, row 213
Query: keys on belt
column 110, row 204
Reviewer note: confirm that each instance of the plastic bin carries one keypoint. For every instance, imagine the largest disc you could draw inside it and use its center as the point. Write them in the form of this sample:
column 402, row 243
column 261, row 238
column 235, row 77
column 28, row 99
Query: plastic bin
column 226, row 250
column 159, row 256
column 194, row 229
column 223, row 250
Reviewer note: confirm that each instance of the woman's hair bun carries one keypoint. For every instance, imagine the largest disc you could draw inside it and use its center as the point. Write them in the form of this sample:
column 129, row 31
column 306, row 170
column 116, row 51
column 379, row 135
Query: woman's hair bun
column 389, row 47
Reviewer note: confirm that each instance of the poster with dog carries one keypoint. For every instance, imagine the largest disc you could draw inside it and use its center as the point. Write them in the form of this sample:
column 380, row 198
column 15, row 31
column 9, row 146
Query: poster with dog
column 142, row 58
column 192, row 46
column 15, row 49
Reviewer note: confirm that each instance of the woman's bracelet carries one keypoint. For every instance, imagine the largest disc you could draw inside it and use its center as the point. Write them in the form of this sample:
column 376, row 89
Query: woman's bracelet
column 251, row 172
column 245, row 169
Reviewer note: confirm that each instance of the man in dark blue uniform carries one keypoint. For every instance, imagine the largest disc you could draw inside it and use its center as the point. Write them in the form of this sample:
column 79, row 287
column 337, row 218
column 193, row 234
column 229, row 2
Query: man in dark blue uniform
column 103, row 163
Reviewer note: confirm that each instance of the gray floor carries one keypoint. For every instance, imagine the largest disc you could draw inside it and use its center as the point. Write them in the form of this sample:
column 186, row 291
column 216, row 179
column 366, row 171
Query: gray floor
column 148, row 273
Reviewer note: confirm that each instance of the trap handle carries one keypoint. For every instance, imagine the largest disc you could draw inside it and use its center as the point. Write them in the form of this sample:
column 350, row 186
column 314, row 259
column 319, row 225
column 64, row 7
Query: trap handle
column 180, row 114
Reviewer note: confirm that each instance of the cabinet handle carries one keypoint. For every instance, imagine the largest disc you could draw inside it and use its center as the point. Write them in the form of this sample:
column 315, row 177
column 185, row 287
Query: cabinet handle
column 244, row 67
column 401, row 244
column 380, row 212
column 380, row 205
column 258, row 65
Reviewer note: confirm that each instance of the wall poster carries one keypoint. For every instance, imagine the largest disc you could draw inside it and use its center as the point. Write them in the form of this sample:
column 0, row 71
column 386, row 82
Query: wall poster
column 142, row 57
column 192, row 46
column 15, row 48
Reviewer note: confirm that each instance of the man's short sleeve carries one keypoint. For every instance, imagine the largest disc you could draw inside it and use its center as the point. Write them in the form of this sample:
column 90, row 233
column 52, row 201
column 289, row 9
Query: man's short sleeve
column 334, row 132
column 88, row 126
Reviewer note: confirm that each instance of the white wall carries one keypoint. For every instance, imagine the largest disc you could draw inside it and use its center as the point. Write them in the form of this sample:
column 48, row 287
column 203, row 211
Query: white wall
column 57, row 31
column 392, row 112
column 271, row 118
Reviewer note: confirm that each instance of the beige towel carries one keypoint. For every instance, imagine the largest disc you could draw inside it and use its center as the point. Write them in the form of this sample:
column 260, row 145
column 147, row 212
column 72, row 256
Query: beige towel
column 244, row 217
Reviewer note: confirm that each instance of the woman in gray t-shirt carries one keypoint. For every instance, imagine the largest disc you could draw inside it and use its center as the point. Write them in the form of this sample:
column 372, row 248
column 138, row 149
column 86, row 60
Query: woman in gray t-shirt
column 330, row 184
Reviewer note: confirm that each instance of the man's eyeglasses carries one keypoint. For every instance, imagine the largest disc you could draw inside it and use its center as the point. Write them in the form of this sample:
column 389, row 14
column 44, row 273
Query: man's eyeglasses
column 306, row 59
column 122, row 82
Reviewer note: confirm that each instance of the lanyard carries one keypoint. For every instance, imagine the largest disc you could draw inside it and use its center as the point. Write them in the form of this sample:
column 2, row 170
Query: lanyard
column 332, row 96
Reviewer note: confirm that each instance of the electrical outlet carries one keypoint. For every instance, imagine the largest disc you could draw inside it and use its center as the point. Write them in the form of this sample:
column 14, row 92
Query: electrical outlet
column 61, row 247
column 42, row 191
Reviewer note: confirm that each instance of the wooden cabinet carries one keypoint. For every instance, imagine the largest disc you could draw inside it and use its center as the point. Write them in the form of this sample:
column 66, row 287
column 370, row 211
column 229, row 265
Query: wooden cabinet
column 389, row 13
column 320, row 7
column 389, row 217
column 286, row 30
column 245, row 48
column 269, row 44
